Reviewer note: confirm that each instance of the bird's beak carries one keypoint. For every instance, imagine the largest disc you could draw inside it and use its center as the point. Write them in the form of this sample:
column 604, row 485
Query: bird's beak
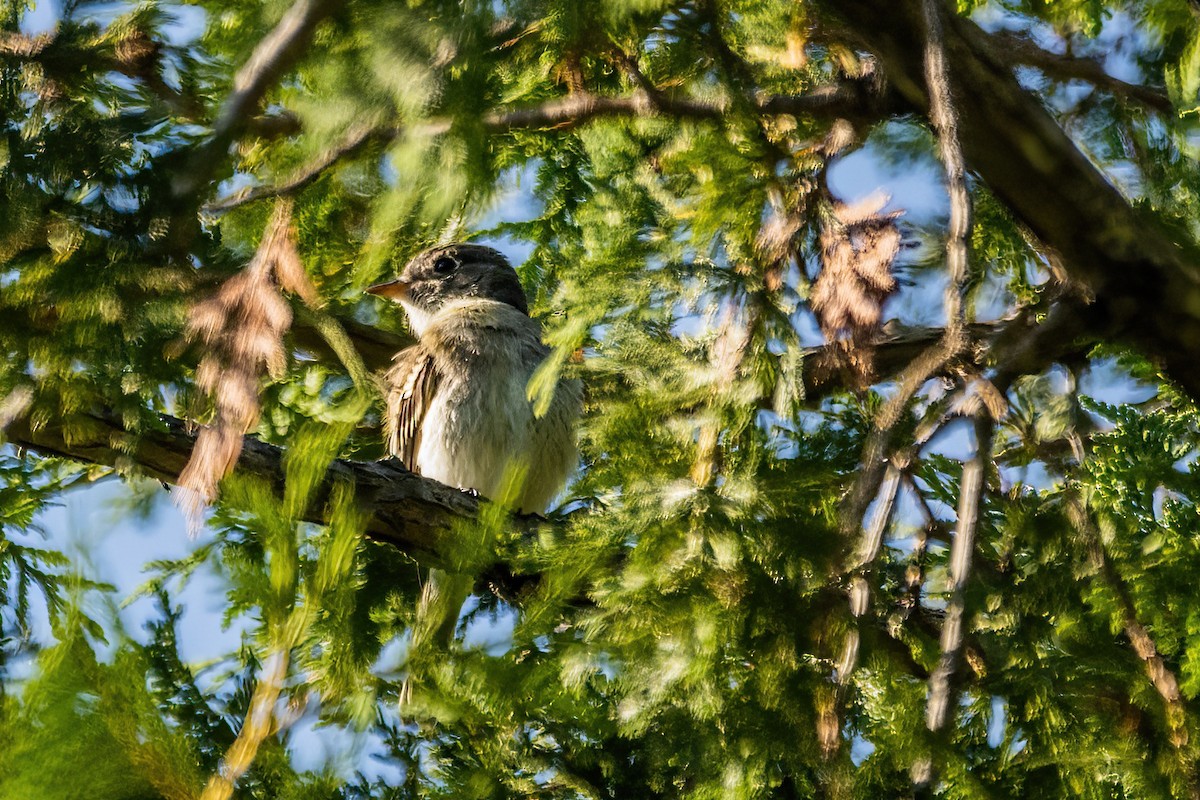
column 395, row 290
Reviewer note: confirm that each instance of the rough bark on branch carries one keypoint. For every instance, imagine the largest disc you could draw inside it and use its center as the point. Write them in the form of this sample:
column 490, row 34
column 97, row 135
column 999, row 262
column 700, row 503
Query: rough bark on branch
column 412, row 513
column 1145, row 277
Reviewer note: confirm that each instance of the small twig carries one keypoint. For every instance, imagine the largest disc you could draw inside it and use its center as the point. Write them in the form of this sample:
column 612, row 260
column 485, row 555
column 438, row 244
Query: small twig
column 338, row 340
column 842, row 99
column 258, row 725
column 354, row 141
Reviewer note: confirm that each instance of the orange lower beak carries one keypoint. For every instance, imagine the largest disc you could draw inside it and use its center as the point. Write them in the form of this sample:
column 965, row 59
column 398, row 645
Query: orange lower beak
column 392, row 289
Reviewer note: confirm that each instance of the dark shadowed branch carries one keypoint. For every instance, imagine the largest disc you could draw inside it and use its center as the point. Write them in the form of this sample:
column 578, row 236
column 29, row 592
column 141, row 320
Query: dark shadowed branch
column 1022, row 50
column 858, row 100
column 1144, row 277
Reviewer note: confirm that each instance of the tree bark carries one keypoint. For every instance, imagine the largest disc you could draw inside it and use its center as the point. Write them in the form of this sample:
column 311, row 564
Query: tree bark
column 412, row 513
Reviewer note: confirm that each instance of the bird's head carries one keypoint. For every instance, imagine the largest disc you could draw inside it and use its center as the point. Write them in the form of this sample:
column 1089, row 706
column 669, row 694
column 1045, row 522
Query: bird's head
column 441, row 275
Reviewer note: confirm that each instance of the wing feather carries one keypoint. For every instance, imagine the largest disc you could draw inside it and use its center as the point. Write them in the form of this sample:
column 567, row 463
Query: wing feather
column 411, row 383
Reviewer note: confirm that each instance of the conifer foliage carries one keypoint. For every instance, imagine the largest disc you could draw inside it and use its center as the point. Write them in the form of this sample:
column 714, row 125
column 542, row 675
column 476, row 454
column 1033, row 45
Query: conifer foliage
column 873, row 500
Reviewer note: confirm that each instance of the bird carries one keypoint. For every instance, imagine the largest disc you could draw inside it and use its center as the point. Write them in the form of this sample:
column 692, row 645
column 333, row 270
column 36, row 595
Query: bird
column 458, row 407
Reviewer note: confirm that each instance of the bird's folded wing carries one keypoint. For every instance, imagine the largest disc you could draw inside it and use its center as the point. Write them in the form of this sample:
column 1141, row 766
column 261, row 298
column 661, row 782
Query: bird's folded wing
column 411, row 383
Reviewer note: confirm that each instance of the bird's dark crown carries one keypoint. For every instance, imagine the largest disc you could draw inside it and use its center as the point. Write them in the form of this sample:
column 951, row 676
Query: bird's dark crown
column 457, row 271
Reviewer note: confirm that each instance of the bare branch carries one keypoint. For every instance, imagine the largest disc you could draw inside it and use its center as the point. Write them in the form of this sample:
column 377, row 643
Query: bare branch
column 1018, row 49
column 953, row 339
column 849, row 99
column 944, row 117
column 941, row 690
column 274, row 55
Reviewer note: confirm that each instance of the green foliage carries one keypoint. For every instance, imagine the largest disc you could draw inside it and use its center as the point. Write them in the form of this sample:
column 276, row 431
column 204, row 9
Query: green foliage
column 674, row 628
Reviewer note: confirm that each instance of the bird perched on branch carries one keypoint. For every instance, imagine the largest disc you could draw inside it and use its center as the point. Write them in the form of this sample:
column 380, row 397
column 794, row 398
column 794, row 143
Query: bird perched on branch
column 458, row 402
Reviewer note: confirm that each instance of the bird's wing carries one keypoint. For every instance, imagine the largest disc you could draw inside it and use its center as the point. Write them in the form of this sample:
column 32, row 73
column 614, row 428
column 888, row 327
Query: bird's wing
column 411, row 383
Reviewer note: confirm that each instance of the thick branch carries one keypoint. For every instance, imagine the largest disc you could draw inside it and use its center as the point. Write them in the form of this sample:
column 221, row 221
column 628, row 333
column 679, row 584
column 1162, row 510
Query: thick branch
column 412, row 513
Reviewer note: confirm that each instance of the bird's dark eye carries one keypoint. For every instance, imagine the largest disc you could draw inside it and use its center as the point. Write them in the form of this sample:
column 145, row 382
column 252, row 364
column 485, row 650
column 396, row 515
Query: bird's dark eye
column 444, row 265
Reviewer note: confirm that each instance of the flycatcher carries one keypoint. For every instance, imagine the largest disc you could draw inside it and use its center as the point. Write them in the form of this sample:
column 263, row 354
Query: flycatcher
column 458, row 409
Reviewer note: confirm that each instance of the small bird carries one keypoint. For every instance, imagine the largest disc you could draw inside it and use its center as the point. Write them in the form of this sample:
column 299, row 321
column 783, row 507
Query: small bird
column 458, row 407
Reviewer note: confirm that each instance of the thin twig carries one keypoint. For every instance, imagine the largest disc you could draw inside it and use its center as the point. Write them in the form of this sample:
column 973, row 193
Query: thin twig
column 842, row 99
column 357, row 138
column 858, row 569
column 257, row 726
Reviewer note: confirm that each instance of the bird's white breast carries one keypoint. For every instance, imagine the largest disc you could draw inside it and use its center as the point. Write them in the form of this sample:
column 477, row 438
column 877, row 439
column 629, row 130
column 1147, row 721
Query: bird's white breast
column 480, row 431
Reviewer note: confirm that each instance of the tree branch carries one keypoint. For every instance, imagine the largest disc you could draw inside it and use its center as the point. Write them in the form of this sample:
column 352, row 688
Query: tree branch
column 274, row 55
column 1021, row 50
column 354, row 141
column 1144, row 277
column 855, row 100
column 412, row 513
